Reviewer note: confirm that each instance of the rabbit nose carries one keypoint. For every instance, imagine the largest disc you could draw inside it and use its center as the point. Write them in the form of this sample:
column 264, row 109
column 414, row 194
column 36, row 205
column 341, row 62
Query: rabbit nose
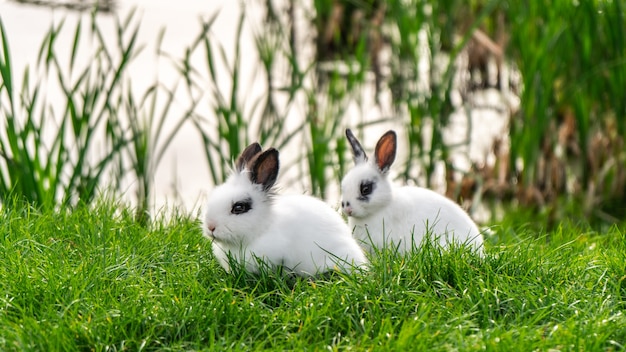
column 347, row 208
column 211, row 227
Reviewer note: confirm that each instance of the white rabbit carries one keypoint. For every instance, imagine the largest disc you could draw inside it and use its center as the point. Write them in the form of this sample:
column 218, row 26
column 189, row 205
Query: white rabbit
column 250, row 223
column 382, row 214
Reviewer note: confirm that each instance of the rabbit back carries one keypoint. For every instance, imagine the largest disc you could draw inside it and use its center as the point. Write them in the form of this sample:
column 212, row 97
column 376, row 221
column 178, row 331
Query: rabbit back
column 412, row 213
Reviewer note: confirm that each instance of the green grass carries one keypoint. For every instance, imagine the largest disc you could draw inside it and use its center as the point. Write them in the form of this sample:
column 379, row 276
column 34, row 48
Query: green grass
column 94, row 279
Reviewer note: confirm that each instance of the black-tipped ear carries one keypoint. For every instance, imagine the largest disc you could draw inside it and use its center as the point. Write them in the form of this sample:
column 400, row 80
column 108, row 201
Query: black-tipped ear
column 357, row 151
column 264, row 168
column 385, row 153
column 248, row 154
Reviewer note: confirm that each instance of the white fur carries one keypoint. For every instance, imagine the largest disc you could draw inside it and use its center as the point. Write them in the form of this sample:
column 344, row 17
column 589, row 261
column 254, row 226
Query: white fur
column 401, row 216
column 301, row 233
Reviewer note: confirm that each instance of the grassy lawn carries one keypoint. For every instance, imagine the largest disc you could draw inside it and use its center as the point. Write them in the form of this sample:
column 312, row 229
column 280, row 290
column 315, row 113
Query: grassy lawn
column 94, row 279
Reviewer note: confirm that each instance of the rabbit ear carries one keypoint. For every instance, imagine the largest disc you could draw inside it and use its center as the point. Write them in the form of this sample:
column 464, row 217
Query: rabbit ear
column 264, row 168
column 385, row 152
column 357, row 151
column 250, row 152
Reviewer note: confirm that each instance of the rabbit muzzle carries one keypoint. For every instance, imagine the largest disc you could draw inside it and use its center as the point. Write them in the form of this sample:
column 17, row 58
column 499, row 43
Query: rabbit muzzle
column 347, row 209
column 211, row 230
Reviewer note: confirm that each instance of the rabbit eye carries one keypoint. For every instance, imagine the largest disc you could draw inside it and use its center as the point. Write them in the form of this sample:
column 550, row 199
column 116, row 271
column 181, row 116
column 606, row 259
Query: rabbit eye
column 367, row 188
column 241, row 207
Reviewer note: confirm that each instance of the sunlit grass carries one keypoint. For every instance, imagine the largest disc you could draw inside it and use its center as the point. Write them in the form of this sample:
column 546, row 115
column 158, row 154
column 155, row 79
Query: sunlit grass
column 96, row 279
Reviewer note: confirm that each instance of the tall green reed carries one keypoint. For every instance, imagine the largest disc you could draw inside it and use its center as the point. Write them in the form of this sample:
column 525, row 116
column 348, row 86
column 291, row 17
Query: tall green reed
column 336, row 78
column 334, row 85
column 570, row 69
column 420, row 41
column 103, row 131
column 150, row 136
column 238, row 119
column 431, row 35
column 572, row 57
column 225, row 135
column 326, row 104
column 68, row 168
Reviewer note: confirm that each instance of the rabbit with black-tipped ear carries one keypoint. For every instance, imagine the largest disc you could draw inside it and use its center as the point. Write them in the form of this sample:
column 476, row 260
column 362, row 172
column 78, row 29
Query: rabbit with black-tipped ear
column 251, row 224
column 383, row 214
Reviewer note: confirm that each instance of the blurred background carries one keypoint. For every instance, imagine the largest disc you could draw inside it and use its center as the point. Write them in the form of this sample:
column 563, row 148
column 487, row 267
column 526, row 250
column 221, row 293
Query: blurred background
column 504, row 106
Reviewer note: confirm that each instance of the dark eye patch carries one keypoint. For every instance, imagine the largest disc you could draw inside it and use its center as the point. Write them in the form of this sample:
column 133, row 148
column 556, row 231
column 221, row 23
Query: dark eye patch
column 241, row 207
column 366, row 188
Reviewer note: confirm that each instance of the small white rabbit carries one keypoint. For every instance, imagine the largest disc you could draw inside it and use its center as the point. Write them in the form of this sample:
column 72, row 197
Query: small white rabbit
column 382, row 214
column 250, row 223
